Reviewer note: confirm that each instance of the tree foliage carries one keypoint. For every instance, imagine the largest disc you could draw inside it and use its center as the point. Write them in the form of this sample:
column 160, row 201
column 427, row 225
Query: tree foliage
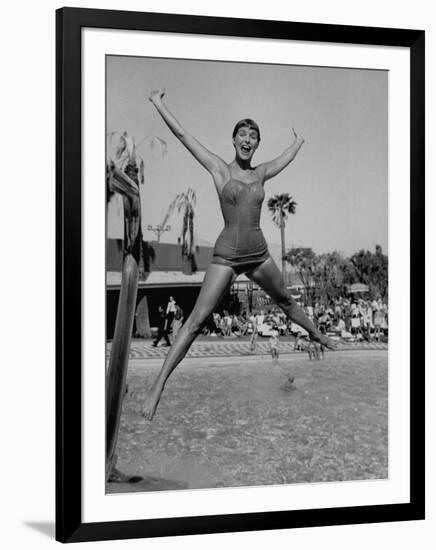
column 326, row 277
column 303, row 260
column 186, row 204
column 372, row 269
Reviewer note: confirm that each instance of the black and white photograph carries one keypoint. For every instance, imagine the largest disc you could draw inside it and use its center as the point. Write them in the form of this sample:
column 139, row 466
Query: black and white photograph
column 220, row 331
column 247, row 262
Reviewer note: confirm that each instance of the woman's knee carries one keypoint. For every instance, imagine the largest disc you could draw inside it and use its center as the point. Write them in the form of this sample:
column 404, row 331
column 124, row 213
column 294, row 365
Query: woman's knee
column 285, row 301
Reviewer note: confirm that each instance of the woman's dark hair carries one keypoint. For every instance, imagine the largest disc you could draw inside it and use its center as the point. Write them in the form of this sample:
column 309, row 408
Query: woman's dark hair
column 246, row 122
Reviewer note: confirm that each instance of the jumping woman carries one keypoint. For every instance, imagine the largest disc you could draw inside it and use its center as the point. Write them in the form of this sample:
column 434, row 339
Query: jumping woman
column 241, row 246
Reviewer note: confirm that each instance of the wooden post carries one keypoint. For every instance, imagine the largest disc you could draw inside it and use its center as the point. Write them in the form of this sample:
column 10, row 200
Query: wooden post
column 119, row 358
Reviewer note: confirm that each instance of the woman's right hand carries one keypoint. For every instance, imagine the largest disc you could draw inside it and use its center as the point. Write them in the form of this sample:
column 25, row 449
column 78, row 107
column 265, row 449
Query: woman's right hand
column 156, row 95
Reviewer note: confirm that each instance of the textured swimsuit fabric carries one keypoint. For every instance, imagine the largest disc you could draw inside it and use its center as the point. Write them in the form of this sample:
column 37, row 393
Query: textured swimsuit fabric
column 241, row 242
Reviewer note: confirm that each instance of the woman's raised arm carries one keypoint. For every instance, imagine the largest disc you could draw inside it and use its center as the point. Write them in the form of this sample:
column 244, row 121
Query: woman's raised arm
column 213, row 163
column 275, row 166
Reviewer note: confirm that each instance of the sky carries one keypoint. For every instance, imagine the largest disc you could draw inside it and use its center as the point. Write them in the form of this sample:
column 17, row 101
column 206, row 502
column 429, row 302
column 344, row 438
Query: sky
column 339, row 179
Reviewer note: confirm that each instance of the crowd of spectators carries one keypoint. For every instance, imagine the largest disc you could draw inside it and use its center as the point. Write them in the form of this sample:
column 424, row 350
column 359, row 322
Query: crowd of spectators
column 349, row 319
column 353, row 319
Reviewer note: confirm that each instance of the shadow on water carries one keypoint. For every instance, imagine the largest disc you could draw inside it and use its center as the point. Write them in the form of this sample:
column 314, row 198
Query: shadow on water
column 146, row 484
column 288, row 385
column 47, row 528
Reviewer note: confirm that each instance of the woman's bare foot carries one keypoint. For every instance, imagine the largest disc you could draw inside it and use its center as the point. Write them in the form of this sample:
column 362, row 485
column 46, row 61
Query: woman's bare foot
column 325, row 341
column 150, row 404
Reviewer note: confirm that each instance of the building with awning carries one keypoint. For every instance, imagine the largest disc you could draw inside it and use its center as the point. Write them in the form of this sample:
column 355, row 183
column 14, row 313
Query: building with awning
column 163, row 277
column 159, row 279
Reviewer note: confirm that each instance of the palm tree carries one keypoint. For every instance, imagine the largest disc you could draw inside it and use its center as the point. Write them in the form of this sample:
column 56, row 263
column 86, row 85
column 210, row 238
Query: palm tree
column 122, row 160
column 124, row 176
column 186, row 203
column 280, row 206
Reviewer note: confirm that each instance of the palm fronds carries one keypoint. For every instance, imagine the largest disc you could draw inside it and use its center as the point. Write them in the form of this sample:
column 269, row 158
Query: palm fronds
column 185, row 203
column 122, row 150
column 170, row 210
column 280, row 206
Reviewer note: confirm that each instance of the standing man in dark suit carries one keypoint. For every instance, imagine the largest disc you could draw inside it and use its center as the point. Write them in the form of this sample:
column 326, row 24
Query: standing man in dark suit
column 162, row 331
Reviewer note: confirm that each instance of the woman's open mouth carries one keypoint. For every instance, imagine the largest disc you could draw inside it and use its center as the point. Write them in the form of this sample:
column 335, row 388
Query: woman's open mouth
column 245, row 149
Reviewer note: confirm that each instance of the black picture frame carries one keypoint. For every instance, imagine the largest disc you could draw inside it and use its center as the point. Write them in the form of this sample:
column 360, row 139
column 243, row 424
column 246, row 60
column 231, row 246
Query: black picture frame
column 69, row 524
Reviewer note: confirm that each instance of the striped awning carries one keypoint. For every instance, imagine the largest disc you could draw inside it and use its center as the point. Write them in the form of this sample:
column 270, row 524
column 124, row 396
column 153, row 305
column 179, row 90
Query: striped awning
column 158, row 279
column 358, row 287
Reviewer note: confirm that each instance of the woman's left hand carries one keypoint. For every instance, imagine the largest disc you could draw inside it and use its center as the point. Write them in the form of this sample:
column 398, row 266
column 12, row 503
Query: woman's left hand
column 296, row 136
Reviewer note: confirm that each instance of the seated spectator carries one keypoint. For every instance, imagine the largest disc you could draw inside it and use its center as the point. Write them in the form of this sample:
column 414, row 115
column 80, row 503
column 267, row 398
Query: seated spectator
column 355, row 323
column 378, row 321
column 226, row 324
column 236, row 326
column 244, row 325
column 340, row 327
column 324, row 323
column 217, row 323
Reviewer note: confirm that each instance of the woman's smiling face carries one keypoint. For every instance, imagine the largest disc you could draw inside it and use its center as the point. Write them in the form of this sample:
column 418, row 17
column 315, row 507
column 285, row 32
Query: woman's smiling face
column 246, row 141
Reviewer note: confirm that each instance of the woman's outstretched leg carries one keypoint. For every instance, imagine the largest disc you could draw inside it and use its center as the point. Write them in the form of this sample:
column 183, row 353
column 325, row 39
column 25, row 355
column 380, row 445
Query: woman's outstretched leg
column 216, row 282
column 269, row 278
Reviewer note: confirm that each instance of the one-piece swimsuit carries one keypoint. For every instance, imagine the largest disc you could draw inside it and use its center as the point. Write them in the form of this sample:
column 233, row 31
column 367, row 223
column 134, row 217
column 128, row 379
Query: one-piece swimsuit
column 241, row 244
